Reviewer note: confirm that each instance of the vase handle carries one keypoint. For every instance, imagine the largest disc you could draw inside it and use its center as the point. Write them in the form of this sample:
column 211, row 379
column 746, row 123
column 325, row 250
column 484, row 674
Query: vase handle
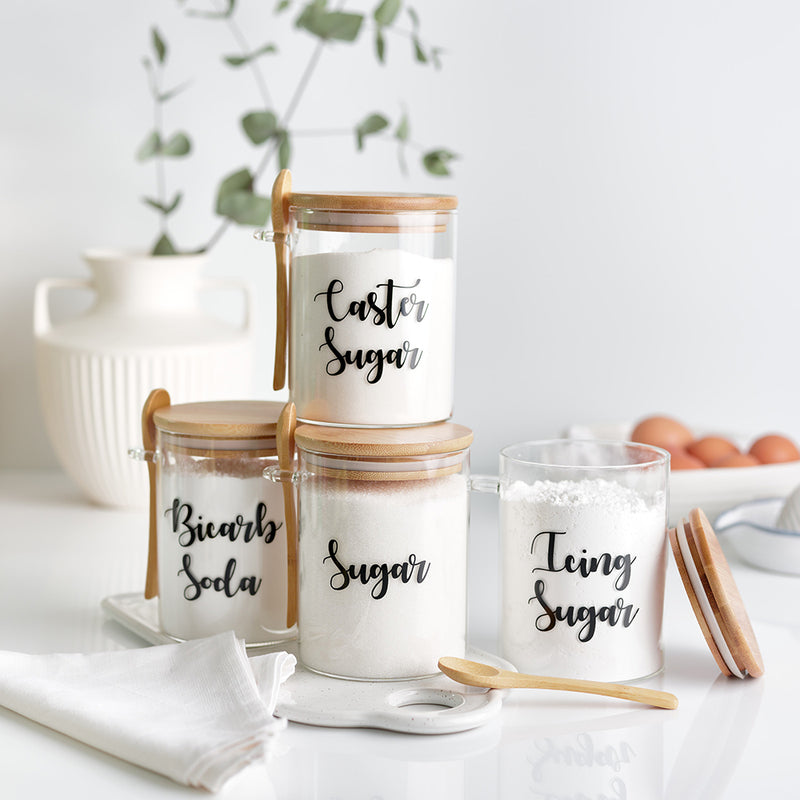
column 211, row 284
column 42, row 323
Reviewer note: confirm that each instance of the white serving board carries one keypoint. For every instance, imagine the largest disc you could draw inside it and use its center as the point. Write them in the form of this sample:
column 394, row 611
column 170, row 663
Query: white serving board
column 426, row 705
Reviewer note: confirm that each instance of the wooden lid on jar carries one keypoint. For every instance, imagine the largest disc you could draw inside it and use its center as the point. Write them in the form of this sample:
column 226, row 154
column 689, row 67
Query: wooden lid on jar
column 221, row 419
column 442, row 437
column 372, row 202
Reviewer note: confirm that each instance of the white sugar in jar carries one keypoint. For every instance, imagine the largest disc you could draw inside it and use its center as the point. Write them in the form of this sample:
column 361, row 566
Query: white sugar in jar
column 583, row 531
column 370, row 306
column 222, row 555
column 382, row 554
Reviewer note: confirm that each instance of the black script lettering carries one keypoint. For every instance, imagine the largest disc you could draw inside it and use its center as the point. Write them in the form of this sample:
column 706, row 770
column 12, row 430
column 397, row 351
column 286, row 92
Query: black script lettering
column 190, row 532
column 386, row 311
column 225, row 583
column 377, row 574
column 375, row 360
column 605, row 563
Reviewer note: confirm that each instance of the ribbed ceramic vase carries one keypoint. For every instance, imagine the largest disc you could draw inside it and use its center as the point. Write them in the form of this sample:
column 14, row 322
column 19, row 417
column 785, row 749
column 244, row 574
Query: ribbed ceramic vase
column 145, row 329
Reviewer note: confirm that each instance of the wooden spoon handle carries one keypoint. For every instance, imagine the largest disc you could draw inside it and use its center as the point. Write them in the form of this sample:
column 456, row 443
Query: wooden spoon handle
column 280, row 223
column 285, row 441
column 637, row 694
column 158, row 398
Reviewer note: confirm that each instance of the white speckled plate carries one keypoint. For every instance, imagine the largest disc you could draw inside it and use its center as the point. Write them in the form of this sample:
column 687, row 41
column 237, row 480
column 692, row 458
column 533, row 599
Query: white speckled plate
column 428, row 705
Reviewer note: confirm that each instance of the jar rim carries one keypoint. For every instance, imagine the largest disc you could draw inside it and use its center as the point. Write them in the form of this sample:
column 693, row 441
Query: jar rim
column 372, row 201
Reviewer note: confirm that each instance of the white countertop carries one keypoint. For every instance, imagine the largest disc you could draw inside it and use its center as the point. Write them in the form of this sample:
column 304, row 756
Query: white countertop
column 59, row 557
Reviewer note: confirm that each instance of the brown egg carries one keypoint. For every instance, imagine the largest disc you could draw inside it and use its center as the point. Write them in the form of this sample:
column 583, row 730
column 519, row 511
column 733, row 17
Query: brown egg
column 680, row 459
column 662, row 432
column 737, row 460
column 711, row 448
column 774, row 449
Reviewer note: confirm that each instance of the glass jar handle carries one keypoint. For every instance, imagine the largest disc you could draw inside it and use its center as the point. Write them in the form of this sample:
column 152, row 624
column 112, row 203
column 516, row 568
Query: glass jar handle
column 484, row 484
column 140, row 454
column 278, row 475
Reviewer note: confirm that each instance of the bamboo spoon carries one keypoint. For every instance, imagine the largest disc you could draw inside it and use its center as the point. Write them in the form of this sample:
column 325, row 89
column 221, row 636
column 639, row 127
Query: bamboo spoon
column 473, row 673
column 158, row 398
column 280, row 193
column 285, row 441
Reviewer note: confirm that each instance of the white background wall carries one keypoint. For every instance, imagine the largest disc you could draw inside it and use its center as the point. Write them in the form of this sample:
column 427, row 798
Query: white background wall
column 628, row 190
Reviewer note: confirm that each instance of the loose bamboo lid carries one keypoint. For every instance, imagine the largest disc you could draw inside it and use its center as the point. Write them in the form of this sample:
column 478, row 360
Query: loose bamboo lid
column 221, row 419
column 442, row 437
column 714, row 597
column 372, row 202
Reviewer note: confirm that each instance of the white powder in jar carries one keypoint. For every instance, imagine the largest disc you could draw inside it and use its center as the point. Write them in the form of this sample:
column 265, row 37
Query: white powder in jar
column 372, row 338
column 382, row 575
column 583, row 579
column 221, row 550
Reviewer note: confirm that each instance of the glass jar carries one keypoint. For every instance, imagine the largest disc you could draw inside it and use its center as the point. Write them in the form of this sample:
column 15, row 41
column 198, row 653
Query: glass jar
column 382, row 556
column 222, row 555
column 583, row 538
column 371, row 308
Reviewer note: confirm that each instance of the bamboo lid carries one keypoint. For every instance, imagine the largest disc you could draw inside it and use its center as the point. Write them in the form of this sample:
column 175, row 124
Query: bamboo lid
column 442, row 437
column 715, row 599
column 372, row 202
column 222, row 419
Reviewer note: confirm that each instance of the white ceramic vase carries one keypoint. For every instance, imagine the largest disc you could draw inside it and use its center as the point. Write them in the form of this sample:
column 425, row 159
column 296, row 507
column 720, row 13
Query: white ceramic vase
column 146, row 329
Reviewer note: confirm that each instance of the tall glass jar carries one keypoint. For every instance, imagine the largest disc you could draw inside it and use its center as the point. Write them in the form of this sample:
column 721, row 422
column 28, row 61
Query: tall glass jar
column 383, row 520
column 371, row 308
column 221, row 530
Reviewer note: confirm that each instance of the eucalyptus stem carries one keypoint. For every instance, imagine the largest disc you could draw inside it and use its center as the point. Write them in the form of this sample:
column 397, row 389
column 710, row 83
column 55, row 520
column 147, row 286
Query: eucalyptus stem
column 269, row 151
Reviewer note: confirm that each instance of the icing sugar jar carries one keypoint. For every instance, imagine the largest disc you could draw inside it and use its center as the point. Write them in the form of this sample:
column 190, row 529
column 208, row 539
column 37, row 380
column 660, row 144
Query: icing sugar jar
column 370, row 307
column 220, row 527
column 382, row 553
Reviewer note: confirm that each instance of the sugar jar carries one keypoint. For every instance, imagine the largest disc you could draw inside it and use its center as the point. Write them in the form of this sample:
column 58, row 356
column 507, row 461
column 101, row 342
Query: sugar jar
column 370, row 309
column 220, row 527
column 382, row 553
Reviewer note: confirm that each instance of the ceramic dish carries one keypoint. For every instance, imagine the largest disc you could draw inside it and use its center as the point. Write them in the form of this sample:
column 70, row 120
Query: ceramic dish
column 713, row 490
column 753, row 532
column 426, row 705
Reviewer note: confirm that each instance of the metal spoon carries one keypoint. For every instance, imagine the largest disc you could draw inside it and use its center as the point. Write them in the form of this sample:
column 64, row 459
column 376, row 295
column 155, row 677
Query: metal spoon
column 473, row 673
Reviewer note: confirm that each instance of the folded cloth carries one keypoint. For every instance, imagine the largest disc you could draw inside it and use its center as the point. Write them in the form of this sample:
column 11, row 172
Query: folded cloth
column 197, row 712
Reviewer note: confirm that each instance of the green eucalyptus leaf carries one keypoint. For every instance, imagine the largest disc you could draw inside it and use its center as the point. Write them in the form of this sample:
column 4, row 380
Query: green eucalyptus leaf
column 164, row 247
column 245, row 208
column 260, row 126
column 419, row 53
column 159, row 45
column 436, row 162
column 225, row 14
column 342, row 26
column 150, row 147
column 403, row 130
column 154, row 204
column 177, row 145
column 241, row 180
column 435, row 53
column 170, row 93
column 282, row 6
column 380, row 46
column 284, row 150
column 242, row 60
column 387, row 11
column 374, row 123
column 414, row 17
column 174, row 204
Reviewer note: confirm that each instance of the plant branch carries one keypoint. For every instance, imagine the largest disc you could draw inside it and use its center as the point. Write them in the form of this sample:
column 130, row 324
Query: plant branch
column 271, row 148
column 258, row 75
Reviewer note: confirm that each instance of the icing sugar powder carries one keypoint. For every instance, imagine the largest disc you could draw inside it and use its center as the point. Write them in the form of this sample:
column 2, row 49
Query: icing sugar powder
column 372, row 338
column 583, row 579
column 382, row 575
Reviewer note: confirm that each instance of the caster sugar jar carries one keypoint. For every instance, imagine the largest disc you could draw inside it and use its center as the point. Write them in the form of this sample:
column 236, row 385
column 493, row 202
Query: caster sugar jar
column 382, row 553
column 220, row 527
column 370, row 307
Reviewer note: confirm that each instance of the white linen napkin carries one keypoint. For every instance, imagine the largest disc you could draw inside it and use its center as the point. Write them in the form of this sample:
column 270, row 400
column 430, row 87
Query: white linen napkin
column 197, row 712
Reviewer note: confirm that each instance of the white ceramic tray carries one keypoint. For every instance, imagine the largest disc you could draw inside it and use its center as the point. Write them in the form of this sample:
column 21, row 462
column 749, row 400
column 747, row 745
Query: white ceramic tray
column 427, row 705
column 713, row 490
